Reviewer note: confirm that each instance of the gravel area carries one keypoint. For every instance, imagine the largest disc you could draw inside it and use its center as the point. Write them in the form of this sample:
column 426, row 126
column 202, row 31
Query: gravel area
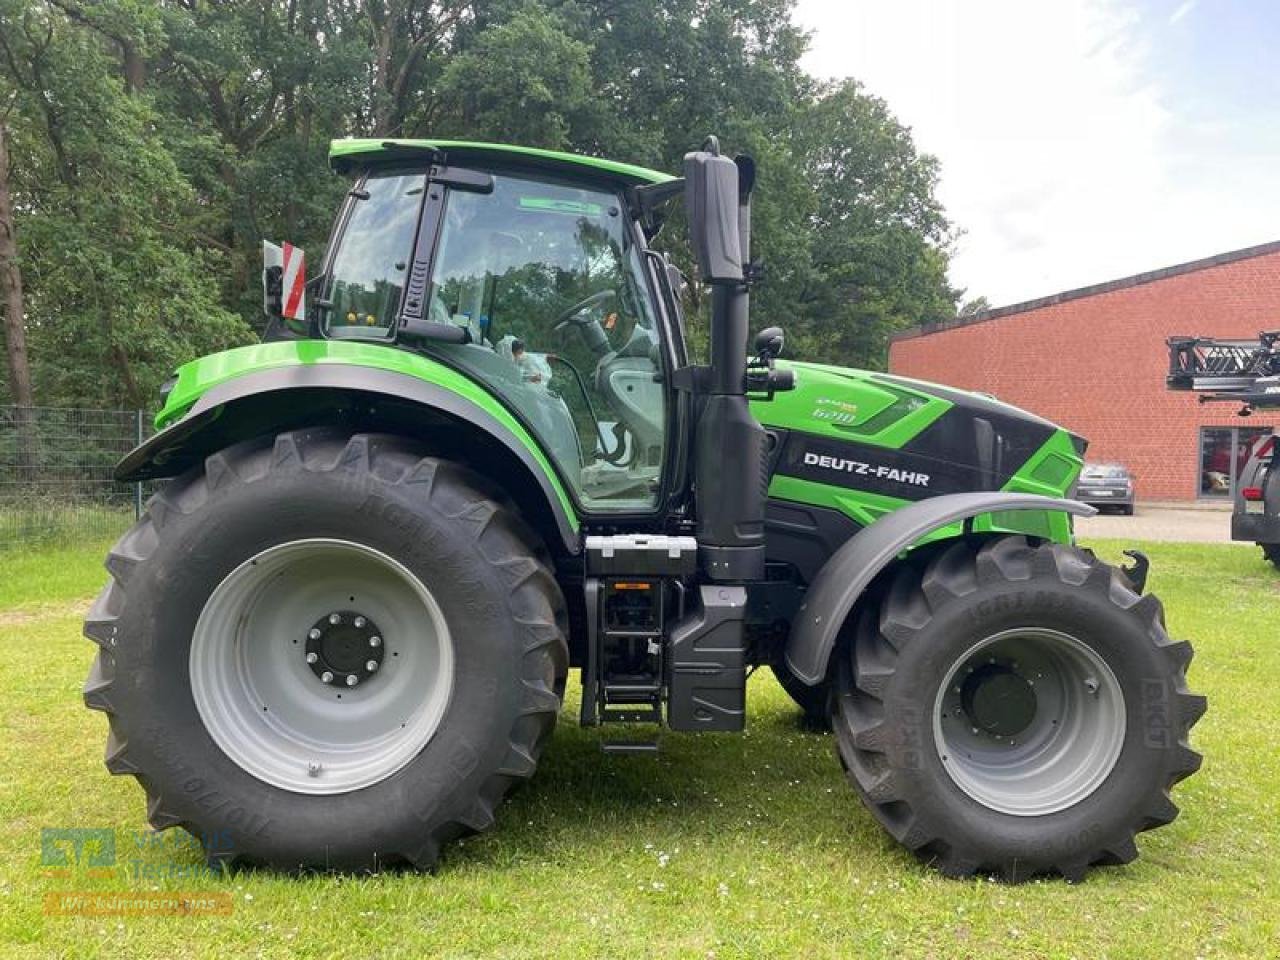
column 1167, row 522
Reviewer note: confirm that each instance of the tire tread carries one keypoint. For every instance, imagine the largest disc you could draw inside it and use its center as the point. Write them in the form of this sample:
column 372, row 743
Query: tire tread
column 502, row 538
column 865, row 673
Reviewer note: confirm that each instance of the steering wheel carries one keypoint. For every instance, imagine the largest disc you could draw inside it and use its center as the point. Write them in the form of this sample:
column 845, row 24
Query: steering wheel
column 570, row 316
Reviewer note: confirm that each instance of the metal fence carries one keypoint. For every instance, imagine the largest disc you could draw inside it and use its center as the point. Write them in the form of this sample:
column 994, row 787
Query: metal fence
column 56, row 483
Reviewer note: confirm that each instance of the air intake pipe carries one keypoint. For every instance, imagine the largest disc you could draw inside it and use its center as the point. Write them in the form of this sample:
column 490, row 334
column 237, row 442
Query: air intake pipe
column 729, row 474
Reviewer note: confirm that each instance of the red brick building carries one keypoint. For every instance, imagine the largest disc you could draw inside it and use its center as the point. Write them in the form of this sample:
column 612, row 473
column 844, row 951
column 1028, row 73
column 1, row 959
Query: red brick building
column 1094, row 360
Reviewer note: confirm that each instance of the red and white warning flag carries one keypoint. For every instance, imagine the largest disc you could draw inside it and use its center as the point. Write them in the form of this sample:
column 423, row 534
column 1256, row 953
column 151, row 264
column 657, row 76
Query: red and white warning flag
column 284, row 281
column 293, row 293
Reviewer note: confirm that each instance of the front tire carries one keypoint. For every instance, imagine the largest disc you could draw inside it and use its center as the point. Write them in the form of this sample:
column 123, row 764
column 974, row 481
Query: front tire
column 1015, row 709
column 1272, row 552
column 327, row 651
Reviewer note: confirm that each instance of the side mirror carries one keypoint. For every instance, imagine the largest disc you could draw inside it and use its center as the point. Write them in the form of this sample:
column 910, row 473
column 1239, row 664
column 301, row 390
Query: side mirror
column 272, row 279
column 711, row 199
column 769, row 343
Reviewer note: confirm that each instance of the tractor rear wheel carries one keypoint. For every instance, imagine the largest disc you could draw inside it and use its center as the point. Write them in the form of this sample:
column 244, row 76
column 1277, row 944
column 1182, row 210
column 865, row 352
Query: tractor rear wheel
column 327, row 651
column 1015, row 709
column 1272, row 552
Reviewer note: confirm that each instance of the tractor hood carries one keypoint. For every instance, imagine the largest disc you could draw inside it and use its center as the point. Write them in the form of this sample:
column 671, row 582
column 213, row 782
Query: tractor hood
column 906, row 439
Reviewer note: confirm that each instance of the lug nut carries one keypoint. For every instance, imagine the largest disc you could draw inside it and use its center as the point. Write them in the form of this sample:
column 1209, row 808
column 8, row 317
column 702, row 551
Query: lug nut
column 361, row 621
column 335, row 618
column 371, row 665
column 311, row 657
column 375, row 641
column 326, row 677
column 313, row 634
column 352, row 679
column 1091, row 684
column 313, row 769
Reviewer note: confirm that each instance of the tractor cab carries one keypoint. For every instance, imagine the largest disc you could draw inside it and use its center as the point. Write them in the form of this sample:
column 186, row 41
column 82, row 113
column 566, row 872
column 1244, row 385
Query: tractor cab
column 527, row 272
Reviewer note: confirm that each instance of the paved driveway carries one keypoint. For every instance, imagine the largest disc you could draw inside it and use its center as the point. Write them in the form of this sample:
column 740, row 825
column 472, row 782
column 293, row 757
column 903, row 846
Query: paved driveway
column 1168, row 522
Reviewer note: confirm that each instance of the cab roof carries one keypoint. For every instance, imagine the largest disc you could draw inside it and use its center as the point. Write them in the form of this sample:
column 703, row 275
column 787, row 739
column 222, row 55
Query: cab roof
column 348, row 154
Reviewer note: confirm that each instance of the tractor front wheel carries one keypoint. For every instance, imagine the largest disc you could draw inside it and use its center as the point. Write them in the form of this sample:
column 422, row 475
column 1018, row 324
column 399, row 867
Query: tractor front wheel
column 1272, row 552
column 1015, row 709
column 324, row 650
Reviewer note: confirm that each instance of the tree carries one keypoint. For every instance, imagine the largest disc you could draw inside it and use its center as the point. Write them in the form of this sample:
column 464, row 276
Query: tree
column 974, row 307
column 878, row 239
column 160, row 141
column 11, row 299
column 111, row 274
column 404, row 36
column 525, row 80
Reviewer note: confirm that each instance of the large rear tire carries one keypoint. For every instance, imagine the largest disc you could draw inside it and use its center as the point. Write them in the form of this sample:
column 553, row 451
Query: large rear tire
column 327, row 651
column 1272, row 552
column 1016, row 710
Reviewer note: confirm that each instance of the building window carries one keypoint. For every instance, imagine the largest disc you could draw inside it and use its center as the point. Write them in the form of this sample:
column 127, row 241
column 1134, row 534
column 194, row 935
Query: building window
column 1223, row 453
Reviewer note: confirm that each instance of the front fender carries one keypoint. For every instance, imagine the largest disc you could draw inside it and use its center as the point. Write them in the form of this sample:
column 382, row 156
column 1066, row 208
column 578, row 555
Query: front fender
column 276, row 397
column 849, row 571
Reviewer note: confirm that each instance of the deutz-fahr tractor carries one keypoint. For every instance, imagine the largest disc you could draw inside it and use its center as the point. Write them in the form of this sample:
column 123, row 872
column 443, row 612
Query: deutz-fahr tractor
column 484, row 455
column 1245, row 372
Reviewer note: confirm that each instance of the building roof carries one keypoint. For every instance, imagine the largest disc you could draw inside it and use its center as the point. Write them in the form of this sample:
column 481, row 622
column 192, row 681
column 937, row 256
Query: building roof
column 1124, row 283
column 344, row 154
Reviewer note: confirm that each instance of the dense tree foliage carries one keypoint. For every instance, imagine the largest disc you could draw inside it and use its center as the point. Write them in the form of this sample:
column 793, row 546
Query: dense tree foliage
column 154, row 143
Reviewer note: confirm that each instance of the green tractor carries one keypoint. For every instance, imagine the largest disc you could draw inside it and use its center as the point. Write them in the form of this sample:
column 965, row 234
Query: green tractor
column 482, row 456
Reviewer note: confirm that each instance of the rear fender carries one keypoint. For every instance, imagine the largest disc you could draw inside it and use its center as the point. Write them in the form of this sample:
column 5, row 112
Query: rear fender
column 843, row 578
column 289, row 397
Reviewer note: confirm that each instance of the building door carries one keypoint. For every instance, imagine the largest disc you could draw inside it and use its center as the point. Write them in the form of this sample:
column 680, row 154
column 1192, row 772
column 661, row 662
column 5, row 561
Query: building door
column 1223, row 453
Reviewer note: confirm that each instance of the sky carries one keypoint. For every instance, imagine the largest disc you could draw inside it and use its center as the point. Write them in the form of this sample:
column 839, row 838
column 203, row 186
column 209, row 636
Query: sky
column 1079, row 140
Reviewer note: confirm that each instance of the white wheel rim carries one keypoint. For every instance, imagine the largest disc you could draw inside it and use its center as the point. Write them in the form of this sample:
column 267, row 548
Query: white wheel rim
column 1073, row 733
column 264, row 704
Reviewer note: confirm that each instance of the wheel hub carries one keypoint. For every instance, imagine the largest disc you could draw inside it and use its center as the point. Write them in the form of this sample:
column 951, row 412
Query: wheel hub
column 344, row 648
column 998, row 699
column 1029, row 721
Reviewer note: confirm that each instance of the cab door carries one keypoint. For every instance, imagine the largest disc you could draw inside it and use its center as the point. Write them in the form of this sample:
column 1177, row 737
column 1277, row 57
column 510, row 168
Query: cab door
column 548, row 279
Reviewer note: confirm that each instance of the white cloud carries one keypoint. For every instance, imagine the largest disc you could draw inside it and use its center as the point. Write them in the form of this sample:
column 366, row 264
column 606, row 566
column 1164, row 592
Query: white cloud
column 1183, row 9
column 1064, row 159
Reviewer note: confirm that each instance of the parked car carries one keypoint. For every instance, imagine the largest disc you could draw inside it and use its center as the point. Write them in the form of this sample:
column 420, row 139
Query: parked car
column 1106, row 485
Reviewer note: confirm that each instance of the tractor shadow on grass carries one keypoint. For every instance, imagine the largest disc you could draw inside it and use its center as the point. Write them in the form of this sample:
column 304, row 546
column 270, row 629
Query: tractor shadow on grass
column 779, row 783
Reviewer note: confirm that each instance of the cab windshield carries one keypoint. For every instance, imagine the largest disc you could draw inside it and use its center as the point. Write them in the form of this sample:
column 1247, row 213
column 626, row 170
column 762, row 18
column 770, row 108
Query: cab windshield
column 367, row 275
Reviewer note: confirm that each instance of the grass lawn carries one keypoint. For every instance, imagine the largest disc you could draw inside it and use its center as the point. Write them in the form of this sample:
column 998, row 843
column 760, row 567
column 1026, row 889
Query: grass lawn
column 723, row 845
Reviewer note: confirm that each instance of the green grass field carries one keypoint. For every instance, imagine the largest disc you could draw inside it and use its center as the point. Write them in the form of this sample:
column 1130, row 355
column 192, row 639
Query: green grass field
column 721, row 846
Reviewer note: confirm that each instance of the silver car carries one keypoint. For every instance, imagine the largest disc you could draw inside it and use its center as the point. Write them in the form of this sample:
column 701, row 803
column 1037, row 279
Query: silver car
column 1106, row 485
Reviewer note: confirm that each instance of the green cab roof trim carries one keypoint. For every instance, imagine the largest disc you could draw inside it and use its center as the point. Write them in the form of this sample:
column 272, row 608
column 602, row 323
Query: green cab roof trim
column 196, row 378
column 381, row 148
